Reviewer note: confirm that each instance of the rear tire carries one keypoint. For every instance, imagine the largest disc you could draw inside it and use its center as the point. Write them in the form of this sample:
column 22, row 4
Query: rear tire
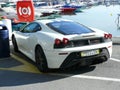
column 41, row 59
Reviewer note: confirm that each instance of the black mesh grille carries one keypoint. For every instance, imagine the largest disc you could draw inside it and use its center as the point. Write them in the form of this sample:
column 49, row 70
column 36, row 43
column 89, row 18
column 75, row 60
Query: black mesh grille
column 77, row 43
column 87, row 42
column 83, row 42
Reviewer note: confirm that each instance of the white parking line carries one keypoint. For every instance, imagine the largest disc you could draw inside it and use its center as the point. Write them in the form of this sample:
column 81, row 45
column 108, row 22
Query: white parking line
column 97, row 78
column 113, row 59
column 89, row 77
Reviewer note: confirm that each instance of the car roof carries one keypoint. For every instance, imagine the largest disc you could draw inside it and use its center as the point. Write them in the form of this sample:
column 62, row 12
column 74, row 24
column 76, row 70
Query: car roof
column 45, row 21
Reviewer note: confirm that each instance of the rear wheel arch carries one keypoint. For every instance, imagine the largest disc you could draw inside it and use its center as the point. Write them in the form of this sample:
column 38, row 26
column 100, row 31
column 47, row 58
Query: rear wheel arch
column 38, row 45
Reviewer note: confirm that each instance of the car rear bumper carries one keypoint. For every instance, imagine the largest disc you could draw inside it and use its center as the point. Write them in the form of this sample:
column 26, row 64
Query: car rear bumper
column 74, row 59
column 63, row 58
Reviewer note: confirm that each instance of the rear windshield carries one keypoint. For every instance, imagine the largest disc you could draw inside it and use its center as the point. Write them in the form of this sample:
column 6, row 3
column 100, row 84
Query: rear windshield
column 67, row 27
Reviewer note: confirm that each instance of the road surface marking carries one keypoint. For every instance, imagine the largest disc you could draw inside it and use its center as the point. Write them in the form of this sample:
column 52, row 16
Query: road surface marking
column 113, row 59
column 89, row 77
column 25, row 67
column 97, row 78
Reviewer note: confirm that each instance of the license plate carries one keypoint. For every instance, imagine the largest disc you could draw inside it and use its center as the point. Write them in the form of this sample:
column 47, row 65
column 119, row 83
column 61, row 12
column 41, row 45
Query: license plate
column 89, row 53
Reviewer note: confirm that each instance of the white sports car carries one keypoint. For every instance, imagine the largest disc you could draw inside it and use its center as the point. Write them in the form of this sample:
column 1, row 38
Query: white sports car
column 58, row 43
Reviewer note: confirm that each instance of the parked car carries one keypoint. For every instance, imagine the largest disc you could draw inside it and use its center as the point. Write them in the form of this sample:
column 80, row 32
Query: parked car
column 59, row 43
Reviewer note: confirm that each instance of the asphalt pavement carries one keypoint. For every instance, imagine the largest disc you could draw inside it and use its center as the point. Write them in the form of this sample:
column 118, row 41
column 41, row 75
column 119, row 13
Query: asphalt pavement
column 19, row 73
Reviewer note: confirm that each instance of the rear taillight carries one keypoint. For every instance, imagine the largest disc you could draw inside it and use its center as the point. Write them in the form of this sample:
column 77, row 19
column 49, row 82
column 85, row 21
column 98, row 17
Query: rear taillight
column 60, row 43
column 65, row 41
column 107, row 36
column 110, row 36
column 57, row 41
